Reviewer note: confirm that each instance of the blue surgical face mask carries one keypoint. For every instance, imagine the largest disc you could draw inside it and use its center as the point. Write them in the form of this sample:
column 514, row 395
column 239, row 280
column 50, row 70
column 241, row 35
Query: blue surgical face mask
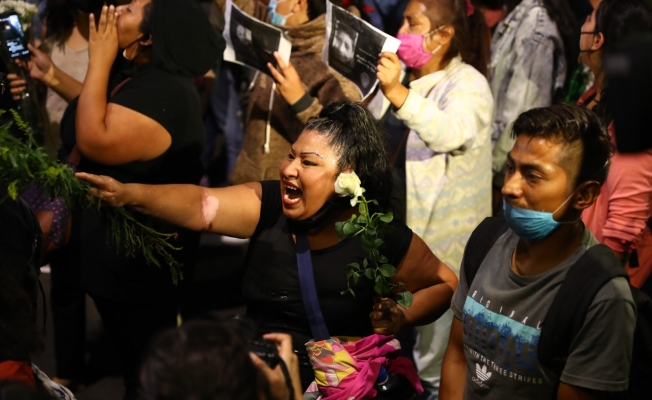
column 274, row 17
column 531, row 224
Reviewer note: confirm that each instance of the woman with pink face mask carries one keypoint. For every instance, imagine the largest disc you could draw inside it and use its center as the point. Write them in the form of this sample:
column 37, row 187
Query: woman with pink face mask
column 437, row 107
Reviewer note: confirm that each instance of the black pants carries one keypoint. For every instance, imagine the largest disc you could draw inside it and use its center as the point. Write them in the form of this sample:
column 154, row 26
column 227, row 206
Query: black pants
column 68, row 302
column 132, row 327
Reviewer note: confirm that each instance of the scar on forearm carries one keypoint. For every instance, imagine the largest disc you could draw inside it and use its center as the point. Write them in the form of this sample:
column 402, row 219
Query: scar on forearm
column 210, row 204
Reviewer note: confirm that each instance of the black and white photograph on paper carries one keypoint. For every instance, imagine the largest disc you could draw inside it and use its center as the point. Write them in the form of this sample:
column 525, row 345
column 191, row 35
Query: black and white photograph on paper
column 352, row 47
column 252, row 42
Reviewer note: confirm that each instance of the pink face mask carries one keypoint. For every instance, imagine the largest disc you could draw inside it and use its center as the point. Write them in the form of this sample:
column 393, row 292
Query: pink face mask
column 411, row 50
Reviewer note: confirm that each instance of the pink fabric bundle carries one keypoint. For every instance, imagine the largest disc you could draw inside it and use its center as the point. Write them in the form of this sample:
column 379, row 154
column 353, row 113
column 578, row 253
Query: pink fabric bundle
column 349, row 370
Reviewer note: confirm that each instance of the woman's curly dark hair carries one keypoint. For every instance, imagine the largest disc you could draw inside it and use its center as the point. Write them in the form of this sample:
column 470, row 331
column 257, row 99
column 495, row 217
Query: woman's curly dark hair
column 362, row 145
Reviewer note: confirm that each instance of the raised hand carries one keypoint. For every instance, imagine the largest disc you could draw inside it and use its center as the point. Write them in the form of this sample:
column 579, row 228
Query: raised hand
column 387, row 317
column 103, row 39
column 388, row 71
column 287, row 80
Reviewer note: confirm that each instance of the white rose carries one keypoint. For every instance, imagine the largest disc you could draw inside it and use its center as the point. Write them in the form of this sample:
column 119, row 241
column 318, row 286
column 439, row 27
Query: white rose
column 349, row 185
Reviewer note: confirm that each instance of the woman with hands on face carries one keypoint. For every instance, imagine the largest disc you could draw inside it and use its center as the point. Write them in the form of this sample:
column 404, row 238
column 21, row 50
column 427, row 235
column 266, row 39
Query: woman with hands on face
column 147, row 128
column 60, row 62
column 345, row 138
column 437, row 107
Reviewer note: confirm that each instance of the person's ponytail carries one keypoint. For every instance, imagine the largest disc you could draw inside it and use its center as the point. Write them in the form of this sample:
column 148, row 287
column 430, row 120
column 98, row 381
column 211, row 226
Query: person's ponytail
column 475, row 50
column 471, row 40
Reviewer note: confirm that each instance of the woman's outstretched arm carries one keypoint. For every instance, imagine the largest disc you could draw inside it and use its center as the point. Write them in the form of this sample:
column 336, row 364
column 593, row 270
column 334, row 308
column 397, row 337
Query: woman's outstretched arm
column 231, row 211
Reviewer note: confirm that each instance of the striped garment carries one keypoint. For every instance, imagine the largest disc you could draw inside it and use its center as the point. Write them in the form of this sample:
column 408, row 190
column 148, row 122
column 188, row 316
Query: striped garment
column 448, row 160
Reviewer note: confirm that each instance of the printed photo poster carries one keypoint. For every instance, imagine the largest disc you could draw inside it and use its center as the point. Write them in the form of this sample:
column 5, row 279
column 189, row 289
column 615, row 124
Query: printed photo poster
column 252, row 42
column 352, row 47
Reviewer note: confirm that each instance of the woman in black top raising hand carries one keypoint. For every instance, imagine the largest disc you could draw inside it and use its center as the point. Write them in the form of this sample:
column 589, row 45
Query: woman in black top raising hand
column 147, row 129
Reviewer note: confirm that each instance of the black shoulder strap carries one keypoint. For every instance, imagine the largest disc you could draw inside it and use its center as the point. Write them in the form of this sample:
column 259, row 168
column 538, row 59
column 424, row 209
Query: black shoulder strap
column 568, row 310
column 481, row 241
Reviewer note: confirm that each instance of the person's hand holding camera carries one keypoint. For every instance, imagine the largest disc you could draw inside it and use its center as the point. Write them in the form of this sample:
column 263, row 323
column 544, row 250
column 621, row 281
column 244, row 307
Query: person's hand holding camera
column 39, row 67
column 278, row 385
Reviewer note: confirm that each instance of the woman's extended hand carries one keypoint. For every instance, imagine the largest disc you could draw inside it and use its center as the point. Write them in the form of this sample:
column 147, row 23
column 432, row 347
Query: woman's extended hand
column 388, row 73
column 387, row 317
column 287, row 80
column 108, row 189
column 277, row 384
column 103, row 39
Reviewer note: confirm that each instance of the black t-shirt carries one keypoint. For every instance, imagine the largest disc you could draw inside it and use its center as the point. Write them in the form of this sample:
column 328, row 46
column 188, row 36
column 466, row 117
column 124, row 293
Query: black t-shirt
column 271, row 285
column 173, row 102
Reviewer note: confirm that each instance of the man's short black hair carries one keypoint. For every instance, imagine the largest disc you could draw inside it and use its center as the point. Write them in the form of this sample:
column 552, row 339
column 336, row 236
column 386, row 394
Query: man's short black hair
column 579, row 130
column 200, row 360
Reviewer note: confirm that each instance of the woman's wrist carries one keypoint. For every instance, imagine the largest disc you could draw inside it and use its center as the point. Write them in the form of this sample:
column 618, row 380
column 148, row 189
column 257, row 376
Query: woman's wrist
column 130, row 195
column 50, row 77
column 397, row 95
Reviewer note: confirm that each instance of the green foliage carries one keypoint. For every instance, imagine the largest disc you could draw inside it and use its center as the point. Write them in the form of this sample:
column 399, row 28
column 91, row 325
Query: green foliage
column 23, row 165
column 375, row 267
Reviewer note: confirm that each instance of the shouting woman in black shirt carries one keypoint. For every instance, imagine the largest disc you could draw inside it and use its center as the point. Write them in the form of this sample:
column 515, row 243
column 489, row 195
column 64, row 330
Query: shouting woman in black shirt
column 345, row 138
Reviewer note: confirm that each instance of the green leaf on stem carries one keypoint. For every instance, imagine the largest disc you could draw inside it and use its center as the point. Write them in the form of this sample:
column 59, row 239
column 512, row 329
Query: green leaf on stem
column 382, row 260
column 382, row 288
column 387, row 270
column 372, row 231
column 378, row 242
column 368, row 242
column 349, row 228
column 355, row 266
column 404, row 298
column 365, row 263
column 362, row 219
column 387, row 218
column 369, row 273
column 356, row 277
column 339, row 226
column 363, row 208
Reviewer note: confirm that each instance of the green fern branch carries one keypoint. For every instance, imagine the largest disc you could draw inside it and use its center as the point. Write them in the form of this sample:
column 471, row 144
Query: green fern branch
column 24, row 164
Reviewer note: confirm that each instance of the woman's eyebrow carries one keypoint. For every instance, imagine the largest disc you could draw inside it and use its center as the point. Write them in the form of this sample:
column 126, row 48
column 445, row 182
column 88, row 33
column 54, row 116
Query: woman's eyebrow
column 311, row 152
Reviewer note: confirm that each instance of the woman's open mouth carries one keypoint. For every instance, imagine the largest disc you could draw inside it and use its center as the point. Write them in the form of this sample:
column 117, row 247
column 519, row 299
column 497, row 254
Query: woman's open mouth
column 291, row 194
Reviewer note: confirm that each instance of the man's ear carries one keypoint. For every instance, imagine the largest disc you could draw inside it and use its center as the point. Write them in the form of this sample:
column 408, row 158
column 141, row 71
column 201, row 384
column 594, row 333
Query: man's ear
column 586, row 195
